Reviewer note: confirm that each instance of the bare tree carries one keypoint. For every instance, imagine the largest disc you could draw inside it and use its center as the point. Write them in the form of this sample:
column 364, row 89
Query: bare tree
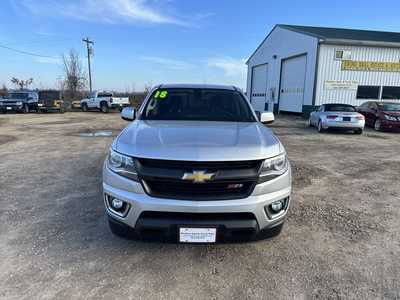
column 74, row 77
column 147, row 87
column 3, row 90
column 22, row 84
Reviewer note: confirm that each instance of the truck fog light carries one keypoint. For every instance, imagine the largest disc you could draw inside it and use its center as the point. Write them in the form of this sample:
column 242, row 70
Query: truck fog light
column 277, row 206
column 117, row 204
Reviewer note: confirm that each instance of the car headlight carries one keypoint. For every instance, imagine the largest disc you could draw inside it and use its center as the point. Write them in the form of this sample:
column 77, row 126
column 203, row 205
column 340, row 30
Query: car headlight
column 122, row 165
column 390, row 118
column 274, row 167
column 19, row 103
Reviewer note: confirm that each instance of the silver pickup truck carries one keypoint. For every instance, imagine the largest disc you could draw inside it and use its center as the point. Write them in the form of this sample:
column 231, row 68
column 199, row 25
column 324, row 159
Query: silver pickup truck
column 196, row 165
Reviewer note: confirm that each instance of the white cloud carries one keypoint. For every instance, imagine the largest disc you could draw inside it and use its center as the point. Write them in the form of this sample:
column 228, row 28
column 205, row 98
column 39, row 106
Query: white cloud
column 108, row 11
column 169, row 63
column 230, row 66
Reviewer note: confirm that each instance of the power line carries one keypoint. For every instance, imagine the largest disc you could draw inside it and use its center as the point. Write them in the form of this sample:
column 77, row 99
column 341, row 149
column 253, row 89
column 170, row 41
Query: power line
column 28, row 53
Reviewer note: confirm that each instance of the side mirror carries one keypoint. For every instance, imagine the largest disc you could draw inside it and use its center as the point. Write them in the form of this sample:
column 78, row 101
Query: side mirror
column 128, row 114
column 267, row 117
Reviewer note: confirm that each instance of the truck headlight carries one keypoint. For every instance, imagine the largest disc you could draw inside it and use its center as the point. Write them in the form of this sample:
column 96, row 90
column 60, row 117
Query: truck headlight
column 122, row 165
column 390, row 118
column 18, row 103
column 274, row 167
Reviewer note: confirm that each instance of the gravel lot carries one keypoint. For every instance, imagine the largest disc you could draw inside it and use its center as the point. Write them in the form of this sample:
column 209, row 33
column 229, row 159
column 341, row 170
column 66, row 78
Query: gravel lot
column 341, row 238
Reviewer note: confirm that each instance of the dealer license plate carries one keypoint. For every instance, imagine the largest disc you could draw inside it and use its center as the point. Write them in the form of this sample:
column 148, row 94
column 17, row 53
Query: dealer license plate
column 197, row 235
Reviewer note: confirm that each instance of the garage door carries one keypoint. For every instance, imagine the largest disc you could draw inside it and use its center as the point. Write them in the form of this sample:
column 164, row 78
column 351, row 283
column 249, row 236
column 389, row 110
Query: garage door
column 259, row 87
column 292, row 84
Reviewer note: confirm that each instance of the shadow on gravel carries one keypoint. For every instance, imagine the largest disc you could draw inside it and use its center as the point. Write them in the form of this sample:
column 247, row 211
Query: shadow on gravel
column 4, row 139
column 96, row 133
column 304, row 174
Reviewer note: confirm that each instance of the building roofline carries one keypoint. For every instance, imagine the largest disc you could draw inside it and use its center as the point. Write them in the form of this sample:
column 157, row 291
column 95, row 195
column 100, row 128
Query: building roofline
column 325, row 40
column 254, row 52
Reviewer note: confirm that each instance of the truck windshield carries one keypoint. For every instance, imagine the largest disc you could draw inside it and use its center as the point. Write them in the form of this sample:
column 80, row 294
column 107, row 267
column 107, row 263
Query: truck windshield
column 197, row 105
column 18, row 95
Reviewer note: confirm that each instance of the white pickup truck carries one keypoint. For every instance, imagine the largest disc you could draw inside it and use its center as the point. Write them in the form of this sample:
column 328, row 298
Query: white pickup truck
column 103, row 101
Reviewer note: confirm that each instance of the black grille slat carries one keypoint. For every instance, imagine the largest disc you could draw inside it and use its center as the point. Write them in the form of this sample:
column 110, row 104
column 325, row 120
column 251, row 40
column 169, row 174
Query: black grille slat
column 199, row 191
column 190, row 165
column 163, row 179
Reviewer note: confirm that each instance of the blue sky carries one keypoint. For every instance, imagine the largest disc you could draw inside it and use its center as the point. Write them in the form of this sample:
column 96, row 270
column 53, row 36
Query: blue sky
column 140, row 42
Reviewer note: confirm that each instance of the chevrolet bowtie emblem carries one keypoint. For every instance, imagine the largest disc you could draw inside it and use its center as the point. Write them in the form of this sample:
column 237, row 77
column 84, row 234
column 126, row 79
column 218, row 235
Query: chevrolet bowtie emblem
column 198, row 176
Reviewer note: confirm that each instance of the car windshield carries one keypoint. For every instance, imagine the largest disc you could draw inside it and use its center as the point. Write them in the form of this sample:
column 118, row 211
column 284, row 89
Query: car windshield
column 18, row 96
column 389, row 106
column 346, row 108
column 197, row 105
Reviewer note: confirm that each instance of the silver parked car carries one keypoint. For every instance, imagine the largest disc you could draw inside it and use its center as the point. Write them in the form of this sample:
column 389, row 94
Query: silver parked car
column 196, row 165
column 337, row 116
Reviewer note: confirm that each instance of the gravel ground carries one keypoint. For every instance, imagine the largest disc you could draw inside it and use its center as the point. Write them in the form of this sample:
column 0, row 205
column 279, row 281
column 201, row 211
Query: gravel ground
column 341, row 239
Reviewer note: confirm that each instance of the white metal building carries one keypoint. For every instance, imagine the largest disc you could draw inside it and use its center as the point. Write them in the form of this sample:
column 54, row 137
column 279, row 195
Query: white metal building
column 298, row 68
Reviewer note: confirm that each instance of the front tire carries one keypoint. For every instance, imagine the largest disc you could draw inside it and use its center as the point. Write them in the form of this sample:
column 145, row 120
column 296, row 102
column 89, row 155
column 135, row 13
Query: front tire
column 272, row 232
column 119, row 230
column 377, row 125
column 104, row 108
column 358, row 131
column 320, row 128
column 84, row 107
column 25, row 109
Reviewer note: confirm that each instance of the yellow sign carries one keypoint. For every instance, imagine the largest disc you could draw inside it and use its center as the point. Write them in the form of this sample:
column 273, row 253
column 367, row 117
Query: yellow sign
column 352, row 65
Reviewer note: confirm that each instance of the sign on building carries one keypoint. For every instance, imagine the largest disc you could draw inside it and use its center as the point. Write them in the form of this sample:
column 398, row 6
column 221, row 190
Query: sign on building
column 352, row 65
column 341, row 85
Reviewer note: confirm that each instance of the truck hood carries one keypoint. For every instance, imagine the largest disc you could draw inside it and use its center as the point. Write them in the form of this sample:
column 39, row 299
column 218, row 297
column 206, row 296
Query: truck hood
column 198, row 141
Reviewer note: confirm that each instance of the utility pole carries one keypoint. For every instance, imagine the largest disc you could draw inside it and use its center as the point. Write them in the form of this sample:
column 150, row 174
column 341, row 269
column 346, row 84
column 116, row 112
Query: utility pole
column 89, row 53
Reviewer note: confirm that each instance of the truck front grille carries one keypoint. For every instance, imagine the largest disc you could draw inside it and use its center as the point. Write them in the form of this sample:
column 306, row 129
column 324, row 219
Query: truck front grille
column 199, row 191
column 233, row 180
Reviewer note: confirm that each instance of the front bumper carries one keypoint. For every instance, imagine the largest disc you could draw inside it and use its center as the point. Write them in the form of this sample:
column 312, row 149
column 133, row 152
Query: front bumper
column 12, row 107
column 119, row 105
column 343, row 125
column 147, row 213
column 390, row 125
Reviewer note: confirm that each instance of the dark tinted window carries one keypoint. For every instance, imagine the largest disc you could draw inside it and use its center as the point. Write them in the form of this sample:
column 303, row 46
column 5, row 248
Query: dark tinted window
column 102, row 95
column 368, row 92
column 389, row 106
column 391, row 92
column 339, row 107
column 19, row 96
column 372, row 105
column 197, row 105
column 49, row 95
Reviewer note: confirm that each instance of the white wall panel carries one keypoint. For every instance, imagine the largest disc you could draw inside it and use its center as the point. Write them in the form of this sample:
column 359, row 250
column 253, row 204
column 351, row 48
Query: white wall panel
column 330, row 69
column 284, row 44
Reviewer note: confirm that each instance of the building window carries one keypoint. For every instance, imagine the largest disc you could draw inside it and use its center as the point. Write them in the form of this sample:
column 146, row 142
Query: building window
column 368, row 92
column 391, row 92
column 342, row 55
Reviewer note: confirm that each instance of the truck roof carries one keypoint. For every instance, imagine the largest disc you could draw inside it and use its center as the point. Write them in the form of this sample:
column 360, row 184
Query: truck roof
column 197, row 86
